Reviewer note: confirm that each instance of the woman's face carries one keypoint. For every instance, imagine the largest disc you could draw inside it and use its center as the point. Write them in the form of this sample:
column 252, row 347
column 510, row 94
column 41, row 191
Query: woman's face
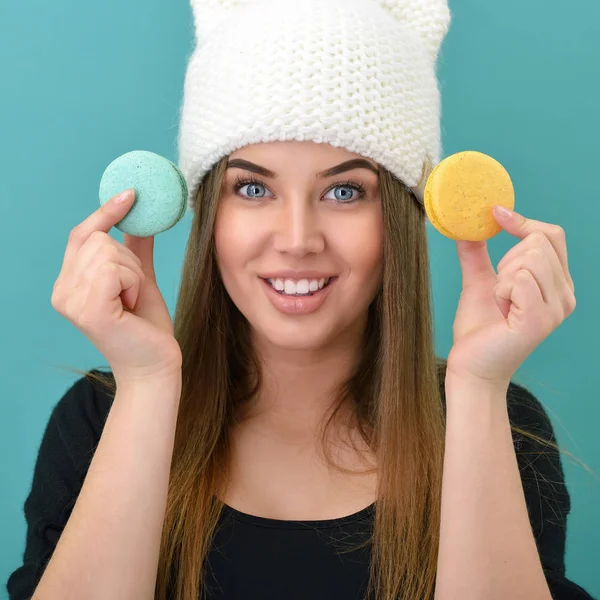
column 297, row 226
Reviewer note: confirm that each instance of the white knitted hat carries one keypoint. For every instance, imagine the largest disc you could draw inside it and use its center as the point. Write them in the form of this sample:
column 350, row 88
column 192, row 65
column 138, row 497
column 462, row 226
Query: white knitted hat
column 357, row 74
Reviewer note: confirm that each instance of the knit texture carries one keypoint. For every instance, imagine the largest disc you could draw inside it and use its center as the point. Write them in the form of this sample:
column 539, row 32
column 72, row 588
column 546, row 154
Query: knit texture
column 357, row 74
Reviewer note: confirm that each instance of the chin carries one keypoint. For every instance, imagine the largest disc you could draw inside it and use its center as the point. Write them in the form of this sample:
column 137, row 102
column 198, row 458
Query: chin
column 298, row 336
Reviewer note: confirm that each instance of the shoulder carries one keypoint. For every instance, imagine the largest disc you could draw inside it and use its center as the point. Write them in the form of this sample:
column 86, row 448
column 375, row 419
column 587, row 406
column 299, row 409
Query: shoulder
column 539, row 460
column 527, row 413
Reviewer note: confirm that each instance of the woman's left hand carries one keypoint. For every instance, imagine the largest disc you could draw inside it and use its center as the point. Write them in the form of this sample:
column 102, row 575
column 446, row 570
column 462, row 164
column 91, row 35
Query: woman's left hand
column 501, row 318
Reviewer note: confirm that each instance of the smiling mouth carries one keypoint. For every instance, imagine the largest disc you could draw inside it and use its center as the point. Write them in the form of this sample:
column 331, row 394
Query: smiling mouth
column 296, row 295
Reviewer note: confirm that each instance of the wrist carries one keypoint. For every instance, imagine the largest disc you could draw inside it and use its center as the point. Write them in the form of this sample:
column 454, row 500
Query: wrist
column 166, row 380
column 468, row 381
column 467, row 392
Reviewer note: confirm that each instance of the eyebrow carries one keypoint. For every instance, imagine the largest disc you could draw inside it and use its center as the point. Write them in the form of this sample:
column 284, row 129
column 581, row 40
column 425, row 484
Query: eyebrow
column 355, row 163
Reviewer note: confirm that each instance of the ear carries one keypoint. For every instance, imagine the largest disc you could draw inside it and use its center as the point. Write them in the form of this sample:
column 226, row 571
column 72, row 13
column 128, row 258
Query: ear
column 209, row 13
column 429, row 18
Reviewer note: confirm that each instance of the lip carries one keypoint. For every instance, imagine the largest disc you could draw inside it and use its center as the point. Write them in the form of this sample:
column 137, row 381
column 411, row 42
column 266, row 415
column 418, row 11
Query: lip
column 302, row 305
column 296, row 275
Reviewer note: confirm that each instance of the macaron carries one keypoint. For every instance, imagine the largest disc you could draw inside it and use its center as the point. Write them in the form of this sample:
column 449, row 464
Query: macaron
column 160, row 192
column 461, row 192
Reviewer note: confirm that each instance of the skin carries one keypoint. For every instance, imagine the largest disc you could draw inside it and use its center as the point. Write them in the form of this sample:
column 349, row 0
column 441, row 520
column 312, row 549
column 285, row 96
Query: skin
column 299, row 221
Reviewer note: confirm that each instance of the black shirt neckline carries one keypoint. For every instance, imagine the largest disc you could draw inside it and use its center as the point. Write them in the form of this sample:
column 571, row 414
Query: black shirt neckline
column 287, row 524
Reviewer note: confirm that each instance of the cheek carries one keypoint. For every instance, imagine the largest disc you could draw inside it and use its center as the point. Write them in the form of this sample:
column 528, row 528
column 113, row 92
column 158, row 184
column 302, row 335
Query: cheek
column 361, row 246
column 233, row 238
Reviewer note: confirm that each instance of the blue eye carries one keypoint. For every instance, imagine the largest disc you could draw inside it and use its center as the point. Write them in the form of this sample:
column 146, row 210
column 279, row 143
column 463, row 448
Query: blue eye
column 346, row 198
column 240, row 182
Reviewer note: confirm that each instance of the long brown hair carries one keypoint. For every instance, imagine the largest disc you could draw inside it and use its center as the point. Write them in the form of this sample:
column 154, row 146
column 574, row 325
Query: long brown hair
column 396, row 393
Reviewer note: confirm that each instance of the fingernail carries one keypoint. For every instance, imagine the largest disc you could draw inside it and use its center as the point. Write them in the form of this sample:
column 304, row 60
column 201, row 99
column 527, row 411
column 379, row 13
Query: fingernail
column 504, row 212
column 123, row 196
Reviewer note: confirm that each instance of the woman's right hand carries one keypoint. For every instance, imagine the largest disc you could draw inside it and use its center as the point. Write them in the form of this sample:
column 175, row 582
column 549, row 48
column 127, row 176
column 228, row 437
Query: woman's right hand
column 108, row 291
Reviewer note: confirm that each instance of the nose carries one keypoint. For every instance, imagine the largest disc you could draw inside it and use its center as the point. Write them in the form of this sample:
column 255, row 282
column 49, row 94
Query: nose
column 299, row 230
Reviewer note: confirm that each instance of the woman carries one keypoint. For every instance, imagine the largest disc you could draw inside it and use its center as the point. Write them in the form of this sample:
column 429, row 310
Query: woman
column 296, row 406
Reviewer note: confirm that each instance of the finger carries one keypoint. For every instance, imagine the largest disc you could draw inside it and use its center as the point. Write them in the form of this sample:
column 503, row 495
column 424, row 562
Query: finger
column 143, row 248
column 530, row 313
column 87, row 268
column 97, row 250
column 537, row 242
column 104, row 301
column 103, row 219
column 502, row 298
column 527, row 310
column 475, row 263
column 539, row 265
column 521, row 227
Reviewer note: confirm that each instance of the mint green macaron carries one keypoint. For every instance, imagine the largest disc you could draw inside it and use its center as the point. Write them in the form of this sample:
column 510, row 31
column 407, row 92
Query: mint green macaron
column 160, row 192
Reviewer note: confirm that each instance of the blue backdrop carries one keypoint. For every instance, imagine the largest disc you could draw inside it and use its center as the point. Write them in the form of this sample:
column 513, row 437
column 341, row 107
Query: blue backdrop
column 82, row 83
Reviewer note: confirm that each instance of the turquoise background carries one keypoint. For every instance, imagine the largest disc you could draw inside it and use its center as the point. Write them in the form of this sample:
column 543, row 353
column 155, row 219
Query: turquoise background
column 82, row 83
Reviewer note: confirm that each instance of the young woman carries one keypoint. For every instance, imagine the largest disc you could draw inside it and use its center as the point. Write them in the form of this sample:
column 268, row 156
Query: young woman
column 252, row 495
column 292, row 434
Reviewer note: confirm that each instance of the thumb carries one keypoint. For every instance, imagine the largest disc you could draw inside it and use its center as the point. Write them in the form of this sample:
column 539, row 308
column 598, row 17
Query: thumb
column 143, row 248
column 475, row 263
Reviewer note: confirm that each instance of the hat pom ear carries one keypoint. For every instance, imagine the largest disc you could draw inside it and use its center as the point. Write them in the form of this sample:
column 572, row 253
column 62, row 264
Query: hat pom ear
column 429, row 18
column 209, row 13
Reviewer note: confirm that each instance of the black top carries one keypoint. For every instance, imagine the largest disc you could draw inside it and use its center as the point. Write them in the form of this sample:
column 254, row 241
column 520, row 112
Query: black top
column 268, row 559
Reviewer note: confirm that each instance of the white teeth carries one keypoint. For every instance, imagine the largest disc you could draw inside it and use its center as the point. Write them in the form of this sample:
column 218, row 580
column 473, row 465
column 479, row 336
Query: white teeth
column 303, row 286
column 296, row 288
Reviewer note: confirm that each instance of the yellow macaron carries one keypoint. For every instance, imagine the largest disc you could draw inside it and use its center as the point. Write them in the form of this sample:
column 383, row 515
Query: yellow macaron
column 461, row 192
